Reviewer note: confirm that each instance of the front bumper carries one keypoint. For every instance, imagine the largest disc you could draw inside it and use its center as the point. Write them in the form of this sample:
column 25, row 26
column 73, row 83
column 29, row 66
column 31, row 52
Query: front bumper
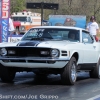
column 35, row 58
column 34, row 62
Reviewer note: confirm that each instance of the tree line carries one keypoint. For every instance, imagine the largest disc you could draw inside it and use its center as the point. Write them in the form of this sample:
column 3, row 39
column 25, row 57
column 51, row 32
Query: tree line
column 66, row 7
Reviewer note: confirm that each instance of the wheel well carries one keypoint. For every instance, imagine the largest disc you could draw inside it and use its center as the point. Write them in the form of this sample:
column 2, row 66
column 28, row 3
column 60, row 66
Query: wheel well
column 76, row 56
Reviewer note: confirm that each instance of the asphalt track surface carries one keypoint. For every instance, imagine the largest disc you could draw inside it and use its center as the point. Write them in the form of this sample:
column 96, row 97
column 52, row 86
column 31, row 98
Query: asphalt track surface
column 28, row 86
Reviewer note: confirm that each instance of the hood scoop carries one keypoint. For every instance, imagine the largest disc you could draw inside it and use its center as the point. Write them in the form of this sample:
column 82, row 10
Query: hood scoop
column 28, row 43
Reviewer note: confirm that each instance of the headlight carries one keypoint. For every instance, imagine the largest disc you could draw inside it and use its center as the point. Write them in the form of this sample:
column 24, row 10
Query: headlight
column 3, row 51
column 54, row 53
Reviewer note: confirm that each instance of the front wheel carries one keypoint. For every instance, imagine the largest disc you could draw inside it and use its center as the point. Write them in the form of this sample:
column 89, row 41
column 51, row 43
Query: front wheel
column 69, row 72
column 7, row 74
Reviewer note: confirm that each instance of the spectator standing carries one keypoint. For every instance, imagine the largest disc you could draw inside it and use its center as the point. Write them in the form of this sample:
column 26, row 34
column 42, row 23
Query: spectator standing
column 93, row 26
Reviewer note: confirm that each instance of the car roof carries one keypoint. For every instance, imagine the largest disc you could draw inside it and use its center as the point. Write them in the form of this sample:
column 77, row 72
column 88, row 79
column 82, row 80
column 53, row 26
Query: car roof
column 66, row 27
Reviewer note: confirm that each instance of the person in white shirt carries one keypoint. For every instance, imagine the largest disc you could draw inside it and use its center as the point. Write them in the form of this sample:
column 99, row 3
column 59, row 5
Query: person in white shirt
column 93, row 26
column 11, row 27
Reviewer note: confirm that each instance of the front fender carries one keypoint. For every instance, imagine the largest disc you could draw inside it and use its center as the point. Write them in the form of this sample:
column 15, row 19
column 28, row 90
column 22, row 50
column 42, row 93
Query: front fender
column 75, row 54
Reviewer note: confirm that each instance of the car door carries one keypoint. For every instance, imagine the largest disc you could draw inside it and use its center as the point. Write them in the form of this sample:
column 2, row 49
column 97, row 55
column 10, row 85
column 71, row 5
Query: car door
column 89, row 48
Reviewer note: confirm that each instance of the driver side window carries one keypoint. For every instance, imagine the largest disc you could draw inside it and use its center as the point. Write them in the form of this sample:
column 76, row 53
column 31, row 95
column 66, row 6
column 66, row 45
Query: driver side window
column 87, row 36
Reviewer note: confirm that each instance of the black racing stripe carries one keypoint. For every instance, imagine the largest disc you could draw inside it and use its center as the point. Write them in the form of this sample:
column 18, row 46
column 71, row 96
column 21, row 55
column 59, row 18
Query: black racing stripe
column 28, row 43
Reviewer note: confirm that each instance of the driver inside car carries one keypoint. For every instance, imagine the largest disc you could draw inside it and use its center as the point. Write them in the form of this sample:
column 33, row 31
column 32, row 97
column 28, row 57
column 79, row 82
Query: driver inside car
column 71, row 36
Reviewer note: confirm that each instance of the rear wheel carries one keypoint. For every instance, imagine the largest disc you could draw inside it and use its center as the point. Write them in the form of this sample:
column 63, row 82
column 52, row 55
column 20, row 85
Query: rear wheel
column 95, row 73
column 69, row 72
column 7, row 74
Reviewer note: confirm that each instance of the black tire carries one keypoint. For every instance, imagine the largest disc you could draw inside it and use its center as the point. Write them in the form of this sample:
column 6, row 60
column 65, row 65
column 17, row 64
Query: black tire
column 7, row 74
column 95, row 73
column 67, row 77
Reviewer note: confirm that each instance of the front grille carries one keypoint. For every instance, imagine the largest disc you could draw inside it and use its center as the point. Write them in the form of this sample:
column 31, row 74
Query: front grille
column 27, row 51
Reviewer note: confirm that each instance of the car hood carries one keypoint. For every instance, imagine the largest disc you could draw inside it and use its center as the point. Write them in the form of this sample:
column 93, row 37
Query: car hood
column 44, row 43
column 53, row 44
column 5, row 44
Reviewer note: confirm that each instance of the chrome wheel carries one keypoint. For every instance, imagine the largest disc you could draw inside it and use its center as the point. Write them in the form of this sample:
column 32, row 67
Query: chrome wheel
column 69, row 72
column 73, row 73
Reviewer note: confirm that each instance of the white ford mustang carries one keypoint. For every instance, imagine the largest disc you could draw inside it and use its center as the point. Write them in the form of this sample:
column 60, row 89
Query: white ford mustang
column 51, row 49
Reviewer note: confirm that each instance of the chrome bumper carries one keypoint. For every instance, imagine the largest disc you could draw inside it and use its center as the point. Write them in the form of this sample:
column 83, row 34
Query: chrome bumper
column 35, row 58
column 34, row 62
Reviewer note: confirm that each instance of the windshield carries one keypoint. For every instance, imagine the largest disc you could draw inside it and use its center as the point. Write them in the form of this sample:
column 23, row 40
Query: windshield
column 22, row 19
column 52, row 33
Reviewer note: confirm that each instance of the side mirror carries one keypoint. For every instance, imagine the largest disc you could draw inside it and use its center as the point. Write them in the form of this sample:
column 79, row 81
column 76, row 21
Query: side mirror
column 85, row 40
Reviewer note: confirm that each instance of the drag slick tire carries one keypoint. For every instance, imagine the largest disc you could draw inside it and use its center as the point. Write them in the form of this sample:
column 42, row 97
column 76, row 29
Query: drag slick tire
column 69, row 72
column 7, row 74
column 95, row 73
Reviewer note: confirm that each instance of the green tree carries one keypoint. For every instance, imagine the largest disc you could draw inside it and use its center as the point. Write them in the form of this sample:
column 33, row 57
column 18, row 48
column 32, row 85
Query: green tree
column 17, row 5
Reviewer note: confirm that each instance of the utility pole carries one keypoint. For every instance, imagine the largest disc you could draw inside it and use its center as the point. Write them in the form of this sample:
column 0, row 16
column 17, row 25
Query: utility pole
column 42, row 4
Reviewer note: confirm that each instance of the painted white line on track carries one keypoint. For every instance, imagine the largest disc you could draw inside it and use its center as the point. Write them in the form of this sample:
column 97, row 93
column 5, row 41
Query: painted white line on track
column 97, row 97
